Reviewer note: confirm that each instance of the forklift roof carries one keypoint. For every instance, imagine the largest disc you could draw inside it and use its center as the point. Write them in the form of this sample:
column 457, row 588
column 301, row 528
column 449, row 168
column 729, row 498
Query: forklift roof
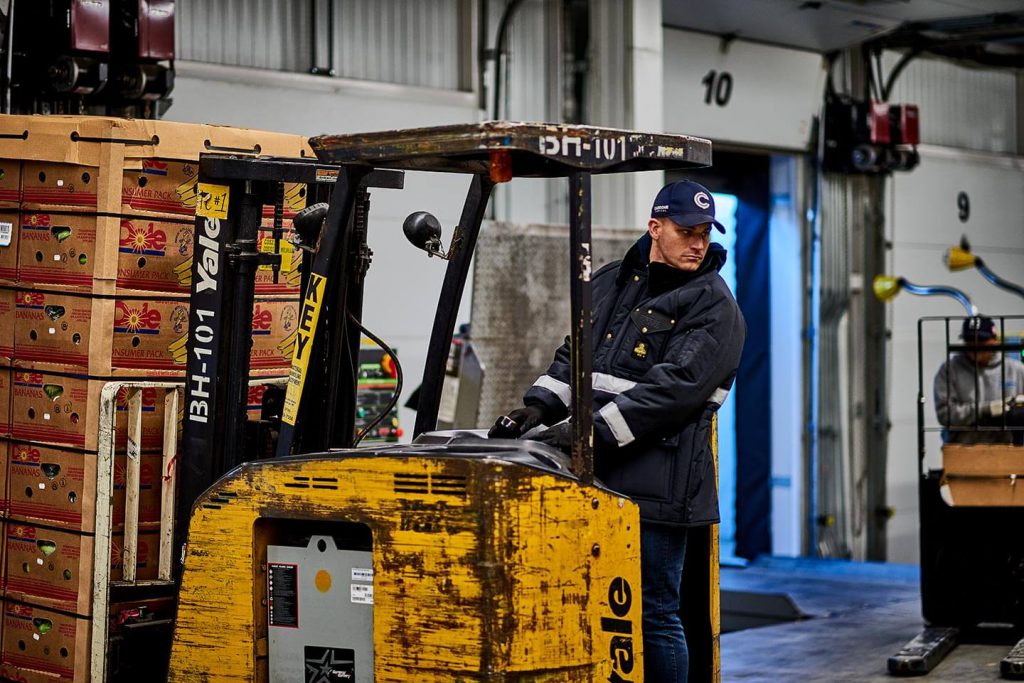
column 534, row 149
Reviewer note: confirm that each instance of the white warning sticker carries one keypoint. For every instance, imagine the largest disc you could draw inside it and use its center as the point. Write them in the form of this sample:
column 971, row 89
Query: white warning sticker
column 6, row 232
column 362, row 574
column 362, row 594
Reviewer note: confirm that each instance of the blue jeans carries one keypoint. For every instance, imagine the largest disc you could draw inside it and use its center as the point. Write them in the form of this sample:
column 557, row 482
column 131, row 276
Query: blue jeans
column 662, row 549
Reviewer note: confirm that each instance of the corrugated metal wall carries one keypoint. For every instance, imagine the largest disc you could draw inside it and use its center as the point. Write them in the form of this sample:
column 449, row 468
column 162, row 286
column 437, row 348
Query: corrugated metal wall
column 533, row 87
column 532, row 80
column 400, row 41
column 960, row 107
column 265, row 34
column 531, row 91
column 836, row 230
column 609, row 104
column 394, row 41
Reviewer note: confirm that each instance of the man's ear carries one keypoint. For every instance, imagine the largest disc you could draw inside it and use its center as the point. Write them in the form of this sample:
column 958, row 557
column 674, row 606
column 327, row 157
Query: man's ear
column 654, row 228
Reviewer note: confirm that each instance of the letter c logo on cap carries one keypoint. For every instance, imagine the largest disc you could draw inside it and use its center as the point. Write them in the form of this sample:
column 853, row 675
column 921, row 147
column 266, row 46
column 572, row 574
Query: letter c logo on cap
column 702, row 200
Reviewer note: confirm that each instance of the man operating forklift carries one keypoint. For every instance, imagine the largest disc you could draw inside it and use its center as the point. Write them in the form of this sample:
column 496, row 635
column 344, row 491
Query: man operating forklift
column 667, row 336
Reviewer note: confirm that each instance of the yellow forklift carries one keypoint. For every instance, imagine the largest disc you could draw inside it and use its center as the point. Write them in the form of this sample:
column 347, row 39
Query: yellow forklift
column 454, row 557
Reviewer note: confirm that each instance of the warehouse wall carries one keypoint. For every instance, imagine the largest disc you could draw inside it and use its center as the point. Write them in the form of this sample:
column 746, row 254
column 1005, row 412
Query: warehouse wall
column 391, row 41
column 923, row 221
column 968, row 125
column 960, row 107
column 403, row 283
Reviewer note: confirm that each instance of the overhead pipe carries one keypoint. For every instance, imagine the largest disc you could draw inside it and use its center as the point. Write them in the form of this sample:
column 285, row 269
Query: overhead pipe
column 886, row 287
column 961, row 258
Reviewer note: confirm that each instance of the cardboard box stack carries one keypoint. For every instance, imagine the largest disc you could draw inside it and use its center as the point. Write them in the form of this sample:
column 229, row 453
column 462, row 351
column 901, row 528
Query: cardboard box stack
column 96, row 230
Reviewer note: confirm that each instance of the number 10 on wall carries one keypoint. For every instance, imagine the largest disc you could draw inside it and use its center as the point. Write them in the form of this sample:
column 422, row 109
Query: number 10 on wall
column 717, row 87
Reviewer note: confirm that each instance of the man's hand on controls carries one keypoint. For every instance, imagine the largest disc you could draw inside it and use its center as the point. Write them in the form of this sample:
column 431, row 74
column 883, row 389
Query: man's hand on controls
column 999, row 406
column 518, row 422
column 1008, row 412
column 559, row 436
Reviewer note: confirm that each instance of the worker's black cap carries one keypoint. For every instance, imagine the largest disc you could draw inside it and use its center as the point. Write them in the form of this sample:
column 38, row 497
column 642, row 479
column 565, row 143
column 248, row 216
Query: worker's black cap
column 686, row 203
column 978, row 328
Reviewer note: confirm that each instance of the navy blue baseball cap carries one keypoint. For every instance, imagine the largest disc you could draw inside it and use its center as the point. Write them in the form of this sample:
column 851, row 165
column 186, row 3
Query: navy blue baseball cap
column 978, row 328
column 686, row 203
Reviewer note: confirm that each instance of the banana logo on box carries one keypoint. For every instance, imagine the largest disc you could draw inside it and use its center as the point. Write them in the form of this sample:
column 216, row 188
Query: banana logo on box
column 184, row 272
column 177, row 350
column 188, row 193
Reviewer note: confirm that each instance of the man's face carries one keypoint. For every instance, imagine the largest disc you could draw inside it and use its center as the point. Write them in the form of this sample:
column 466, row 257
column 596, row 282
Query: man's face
column 982, row 357
column 679, row 246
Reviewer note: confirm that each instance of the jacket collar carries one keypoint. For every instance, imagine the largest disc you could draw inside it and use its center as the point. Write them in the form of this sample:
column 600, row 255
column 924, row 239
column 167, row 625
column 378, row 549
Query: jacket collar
column 661, row 276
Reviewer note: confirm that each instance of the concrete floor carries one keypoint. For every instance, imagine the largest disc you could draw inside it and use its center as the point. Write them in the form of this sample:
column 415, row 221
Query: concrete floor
column 862, row 613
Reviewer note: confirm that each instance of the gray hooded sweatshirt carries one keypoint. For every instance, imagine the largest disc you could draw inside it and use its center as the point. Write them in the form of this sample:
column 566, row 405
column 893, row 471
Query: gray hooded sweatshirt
column 955, row 400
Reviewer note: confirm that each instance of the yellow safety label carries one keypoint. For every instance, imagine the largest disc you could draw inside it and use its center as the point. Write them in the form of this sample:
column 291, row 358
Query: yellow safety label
column 212, row 200
column 268, row 245
column 308, row 318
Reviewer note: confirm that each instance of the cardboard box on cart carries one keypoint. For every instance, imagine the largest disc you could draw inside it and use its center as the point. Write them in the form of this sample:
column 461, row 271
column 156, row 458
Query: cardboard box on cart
column 984, row 475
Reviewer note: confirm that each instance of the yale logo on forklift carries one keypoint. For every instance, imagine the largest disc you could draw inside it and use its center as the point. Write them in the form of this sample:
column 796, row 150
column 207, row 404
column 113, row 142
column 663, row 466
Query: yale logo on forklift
column 307, row 326
column 620, row 651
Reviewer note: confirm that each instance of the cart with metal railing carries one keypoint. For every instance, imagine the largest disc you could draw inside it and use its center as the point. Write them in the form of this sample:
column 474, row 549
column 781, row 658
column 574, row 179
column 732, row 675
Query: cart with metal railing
column 972, row 564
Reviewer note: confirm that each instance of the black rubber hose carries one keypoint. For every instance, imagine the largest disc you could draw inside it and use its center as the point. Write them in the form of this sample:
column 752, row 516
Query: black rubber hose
column 398, row 380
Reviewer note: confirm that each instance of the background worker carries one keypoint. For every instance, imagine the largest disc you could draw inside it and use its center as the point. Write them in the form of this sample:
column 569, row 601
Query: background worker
column 667, row 337
column 999, row 399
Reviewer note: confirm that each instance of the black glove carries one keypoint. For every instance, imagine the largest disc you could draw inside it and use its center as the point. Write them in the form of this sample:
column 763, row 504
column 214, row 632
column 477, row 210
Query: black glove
column 1009, row 410
column 516, row 423
column 559, row 436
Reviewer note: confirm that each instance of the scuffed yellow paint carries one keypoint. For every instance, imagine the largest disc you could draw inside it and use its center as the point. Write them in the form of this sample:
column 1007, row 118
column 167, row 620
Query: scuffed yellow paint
column 520, row 579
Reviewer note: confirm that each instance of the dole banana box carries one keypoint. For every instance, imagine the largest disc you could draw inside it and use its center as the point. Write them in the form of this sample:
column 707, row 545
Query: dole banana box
column 62, row 249
column 274, row 331
column 9, row 238
column 254, row 401
column 54, row 568
column 172, row 271
column 7, row 321
column 5, row 458
column 57, row 487
column 160, row 186
column 166, row 186
column 153, row 253
column 44, row 645
column 141, row 333
column 18, row 674
column 63, row 409
column 288, row 277
column 10, row 183
column 59, row 186
column 6, row 380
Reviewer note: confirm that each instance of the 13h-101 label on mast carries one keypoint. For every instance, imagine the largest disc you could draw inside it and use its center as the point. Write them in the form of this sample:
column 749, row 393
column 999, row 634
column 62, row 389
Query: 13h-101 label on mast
column 303, row 346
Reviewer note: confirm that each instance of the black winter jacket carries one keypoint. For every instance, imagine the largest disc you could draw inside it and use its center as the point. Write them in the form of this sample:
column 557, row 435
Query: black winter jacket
column 666, row 348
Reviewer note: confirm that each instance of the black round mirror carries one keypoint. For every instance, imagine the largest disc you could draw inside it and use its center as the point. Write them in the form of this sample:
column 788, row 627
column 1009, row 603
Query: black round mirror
column 306, row 225
column 423, row 230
